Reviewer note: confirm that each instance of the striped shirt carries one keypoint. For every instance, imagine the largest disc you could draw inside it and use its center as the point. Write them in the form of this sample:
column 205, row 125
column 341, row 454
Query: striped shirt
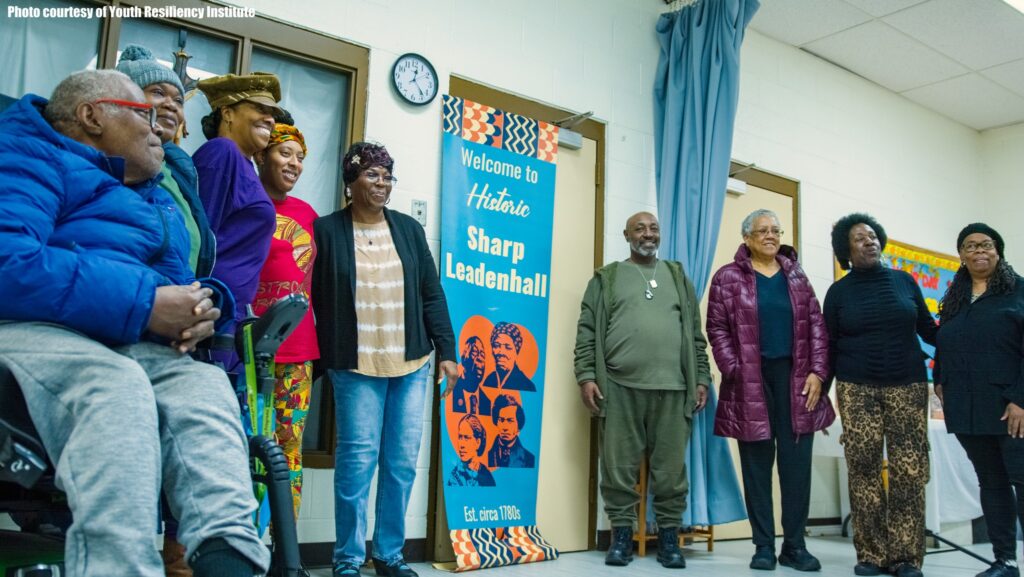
column 380, row 304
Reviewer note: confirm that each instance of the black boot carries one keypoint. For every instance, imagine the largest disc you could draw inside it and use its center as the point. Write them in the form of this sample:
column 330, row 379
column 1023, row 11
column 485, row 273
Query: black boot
column 764, row 558
column 620, row 553
column 867, row 568
column 396, row 568
column 669, row 554
column 799, row 558
column 1001, row 568
column 905, row 569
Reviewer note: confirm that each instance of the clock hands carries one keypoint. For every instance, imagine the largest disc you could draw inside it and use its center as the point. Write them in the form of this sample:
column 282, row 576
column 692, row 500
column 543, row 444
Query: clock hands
column 416, row 81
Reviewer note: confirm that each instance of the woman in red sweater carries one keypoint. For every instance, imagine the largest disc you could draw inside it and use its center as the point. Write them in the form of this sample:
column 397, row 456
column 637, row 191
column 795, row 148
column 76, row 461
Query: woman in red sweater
column 288, row 270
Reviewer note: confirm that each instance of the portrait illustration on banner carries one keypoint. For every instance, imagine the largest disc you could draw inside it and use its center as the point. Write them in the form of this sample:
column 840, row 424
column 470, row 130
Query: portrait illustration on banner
column 486, row 412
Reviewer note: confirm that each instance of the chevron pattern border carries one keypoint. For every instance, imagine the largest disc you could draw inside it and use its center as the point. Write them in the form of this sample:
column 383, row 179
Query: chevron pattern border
column 520, row 135
column 487, row 548
column 466, row 556
column 451, row 114
column 484, row 124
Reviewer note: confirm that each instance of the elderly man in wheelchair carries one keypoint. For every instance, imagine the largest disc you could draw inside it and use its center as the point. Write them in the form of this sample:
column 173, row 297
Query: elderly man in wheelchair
column 98, row 312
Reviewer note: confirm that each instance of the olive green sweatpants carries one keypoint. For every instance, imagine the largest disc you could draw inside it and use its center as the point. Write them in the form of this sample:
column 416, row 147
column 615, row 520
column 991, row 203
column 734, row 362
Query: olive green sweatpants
column 634, row 422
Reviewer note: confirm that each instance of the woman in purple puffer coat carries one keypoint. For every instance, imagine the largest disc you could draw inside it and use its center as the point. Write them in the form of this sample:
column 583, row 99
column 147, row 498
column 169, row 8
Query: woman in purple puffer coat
column 770, row 342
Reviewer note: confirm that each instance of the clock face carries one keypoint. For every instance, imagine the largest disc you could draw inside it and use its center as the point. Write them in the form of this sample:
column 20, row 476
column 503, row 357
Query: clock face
column 414, row 79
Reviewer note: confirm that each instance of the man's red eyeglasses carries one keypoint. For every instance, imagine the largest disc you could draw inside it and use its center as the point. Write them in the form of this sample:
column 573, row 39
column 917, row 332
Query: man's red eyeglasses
column 146, row 111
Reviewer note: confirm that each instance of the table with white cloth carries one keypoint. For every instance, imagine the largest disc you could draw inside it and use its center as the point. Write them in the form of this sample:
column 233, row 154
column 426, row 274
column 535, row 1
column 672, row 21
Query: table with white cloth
column 952, row 494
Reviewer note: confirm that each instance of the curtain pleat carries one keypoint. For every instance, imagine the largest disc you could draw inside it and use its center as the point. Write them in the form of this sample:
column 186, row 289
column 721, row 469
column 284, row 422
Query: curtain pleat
column 696, row 92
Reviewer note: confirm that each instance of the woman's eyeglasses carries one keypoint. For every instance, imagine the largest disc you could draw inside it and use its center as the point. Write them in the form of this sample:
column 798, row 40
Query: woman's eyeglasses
column 146, row 111
column 376, row 177
column 976, row 246
column 764, row 232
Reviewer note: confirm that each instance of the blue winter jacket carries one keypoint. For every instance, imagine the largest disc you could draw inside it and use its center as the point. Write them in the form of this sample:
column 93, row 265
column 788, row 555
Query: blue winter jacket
column 78, row 247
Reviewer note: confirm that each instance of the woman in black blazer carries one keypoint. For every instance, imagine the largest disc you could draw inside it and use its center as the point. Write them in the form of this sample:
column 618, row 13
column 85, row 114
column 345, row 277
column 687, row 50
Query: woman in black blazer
column 979, row 355
column 380, row 311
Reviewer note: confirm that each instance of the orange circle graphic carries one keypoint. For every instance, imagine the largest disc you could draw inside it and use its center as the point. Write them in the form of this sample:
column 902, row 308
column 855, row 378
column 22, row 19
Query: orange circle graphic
column 527, row 359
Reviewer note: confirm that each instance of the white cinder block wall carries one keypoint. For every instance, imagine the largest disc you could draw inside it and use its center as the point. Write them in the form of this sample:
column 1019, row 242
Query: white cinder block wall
column 1002, row 191
column 853, row 145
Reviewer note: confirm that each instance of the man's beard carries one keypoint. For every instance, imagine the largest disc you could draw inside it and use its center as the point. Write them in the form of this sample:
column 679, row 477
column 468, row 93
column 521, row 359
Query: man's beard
column 642, row 250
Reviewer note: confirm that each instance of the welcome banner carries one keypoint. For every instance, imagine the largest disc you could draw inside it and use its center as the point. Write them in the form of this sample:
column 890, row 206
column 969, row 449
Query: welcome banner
column 497, row 198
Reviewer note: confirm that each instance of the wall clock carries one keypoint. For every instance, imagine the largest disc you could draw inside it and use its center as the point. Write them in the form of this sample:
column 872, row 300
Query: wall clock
column 414, row 79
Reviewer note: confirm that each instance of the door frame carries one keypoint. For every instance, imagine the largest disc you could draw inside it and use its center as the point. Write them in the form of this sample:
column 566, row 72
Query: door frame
column 774, row 182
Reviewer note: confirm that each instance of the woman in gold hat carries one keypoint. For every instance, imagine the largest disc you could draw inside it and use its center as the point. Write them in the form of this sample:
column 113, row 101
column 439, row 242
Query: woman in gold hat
column 240, row 214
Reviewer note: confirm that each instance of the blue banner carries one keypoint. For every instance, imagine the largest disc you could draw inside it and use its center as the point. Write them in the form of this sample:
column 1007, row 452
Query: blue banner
column 497, row 195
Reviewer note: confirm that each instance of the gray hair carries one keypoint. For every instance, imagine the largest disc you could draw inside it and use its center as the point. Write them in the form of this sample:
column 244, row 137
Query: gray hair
column 748, row 223
column 84, row 86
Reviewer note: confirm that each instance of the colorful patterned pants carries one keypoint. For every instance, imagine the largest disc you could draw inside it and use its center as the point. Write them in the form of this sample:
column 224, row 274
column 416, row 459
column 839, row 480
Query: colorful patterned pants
column 291, row 404
column 888, row 526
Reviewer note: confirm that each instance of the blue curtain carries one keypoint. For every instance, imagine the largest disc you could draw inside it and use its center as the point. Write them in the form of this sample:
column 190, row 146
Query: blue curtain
column 695, row 95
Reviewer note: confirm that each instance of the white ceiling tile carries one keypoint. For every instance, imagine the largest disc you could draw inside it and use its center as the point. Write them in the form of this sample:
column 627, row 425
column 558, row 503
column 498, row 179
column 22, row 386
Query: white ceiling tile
column 887, row 56
column 980, row 35
column 1009, row 75
column 797, row 22
column 971, row 100
column 883, row 7
column 977, row 33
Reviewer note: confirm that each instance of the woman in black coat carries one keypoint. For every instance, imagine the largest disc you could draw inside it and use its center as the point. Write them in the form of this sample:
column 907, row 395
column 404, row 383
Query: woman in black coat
column 874, row 317
column 978, row 361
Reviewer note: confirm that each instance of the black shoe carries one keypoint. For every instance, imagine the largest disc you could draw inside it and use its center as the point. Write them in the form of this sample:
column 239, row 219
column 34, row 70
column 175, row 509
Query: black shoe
column 669, row 554
column 1001, row 568
column 867, row 568
column 396, row 568
column 346, row 570
column 763, row 559
column 905, row 570
column 620, row 552
column 798, row 558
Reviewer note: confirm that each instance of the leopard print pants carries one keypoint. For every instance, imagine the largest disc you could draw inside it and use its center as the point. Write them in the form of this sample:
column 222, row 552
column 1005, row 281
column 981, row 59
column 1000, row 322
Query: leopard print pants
column 888, row 528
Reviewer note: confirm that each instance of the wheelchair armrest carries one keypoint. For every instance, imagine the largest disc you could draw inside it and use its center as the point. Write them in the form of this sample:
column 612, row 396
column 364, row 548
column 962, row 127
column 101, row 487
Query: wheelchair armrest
column 22, row 456
column 271, row 329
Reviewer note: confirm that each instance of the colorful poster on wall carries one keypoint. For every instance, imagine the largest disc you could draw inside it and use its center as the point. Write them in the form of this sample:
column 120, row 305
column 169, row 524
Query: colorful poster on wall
column 497, row 211
column 933, row 272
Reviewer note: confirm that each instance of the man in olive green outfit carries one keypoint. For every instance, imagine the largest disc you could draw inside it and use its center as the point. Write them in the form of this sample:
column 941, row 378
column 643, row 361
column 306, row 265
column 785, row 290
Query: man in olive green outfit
column 643, row 370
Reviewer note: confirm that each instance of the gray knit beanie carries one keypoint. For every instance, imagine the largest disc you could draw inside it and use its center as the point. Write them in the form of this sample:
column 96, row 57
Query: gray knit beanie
column 138, row 63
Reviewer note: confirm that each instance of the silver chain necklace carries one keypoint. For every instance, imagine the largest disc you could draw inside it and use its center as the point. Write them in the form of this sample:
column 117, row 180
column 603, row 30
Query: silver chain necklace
column 649, row 285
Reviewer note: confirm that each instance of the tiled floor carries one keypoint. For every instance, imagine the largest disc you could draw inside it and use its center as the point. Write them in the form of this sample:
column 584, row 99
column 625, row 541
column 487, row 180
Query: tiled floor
column 730, row 559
